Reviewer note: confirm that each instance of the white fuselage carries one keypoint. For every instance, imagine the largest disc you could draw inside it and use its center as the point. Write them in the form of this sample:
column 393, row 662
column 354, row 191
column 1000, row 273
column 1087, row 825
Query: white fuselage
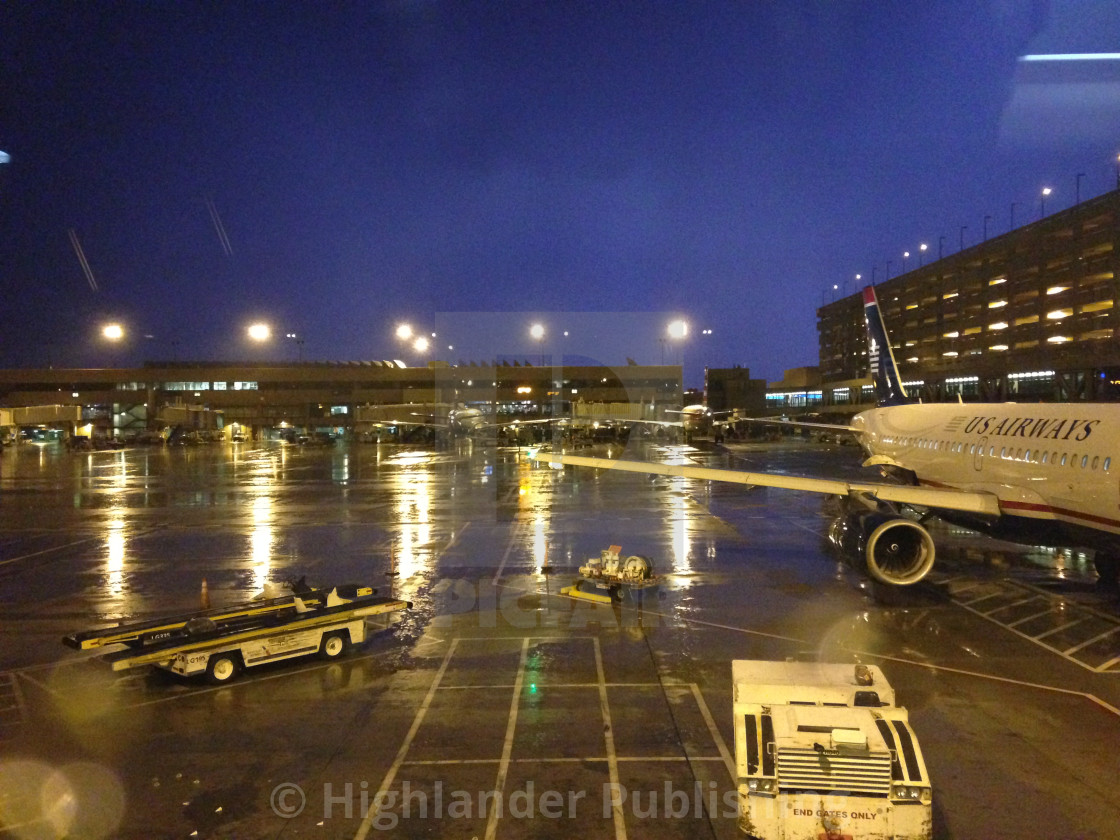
column 1052, row 466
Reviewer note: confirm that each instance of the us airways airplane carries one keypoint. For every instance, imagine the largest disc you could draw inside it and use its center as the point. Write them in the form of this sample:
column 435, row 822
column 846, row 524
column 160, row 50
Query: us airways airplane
column 1030, row 473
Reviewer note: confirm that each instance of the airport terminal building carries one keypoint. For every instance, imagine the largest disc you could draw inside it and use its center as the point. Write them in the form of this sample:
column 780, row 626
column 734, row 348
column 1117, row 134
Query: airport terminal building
column 337, row 398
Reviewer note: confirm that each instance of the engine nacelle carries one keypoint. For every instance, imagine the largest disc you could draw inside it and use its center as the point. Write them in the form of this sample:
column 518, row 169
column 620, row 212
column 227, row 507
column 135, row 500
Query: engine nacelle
column 891, row 549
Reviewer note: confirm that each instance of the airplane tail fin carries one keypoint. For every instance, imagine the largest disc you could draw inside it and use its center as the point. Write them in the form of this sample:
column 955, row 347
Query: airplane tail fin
column 884, row 369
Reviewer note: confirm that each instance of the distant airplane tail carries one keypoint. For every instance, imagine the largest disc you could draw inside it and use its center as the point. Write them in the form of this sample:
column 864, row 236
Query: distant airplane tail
column 884, row 369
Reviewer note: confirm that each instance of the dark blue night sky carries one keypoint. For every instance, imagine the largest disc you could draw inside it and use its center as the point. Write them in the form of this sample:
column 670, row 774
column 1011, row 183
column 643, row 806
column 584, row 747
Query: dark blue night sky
column 369, row 163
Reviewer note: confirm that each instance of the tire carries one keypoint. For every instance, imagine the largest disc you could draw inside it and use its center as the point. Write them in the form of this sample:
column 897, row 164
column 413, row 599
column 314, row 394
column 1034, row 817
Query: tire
column 223, row 668
column 334, row 645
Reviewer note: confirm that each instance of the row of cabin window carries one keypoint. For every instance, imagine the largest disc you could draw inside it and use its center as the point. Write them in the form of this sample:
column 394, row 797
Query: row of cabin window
column 1008, row 453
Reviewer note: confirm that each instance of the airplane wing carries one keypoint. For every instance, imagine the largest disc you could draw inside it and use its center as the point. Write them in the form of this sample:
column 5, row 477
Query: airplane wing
column 778, row 421
column 506, row 424
column 986, row 504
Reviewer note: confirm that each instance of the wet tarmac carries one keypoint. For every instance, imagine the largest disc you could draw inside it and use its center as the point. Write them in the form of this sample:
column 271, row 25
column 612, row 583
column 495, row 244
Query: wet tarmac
column 498, row 708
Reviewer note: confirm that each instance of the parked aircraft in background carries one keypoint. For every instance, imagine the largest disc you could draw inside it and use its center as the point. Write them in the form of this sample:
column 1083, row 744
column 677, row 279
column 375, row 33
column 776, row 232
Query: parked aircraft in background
column 1039, row 473
column 459, row 420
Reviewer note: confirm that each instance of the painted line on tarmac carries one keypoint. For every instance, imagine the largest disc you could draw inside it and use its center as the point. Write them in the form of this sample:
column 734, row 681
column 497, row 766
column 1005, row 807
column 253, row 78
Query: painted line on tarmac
column 631, row 759
column 540, row 684
column 507, row 745
column 608, row 737
column 50, row 550
column 143, row 532
column 454, row 538
column 371, row 814
column 719, row 626
column 1068, row 691
column 42, row 685
column 517, row 529
column 992, row 677
column 721, row 745
column 1036, row 639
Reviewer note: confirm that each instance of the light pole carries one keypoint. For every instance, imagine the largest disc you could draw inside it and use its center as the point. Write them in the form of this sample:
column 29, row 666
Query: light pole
column 410, row 339
column 1077, row 189
column 677, row 330
column 1013, row 203
column 905, row 257
column 986, row 220
column 888, row 269
column 963, row 229
column 940, row 246
column 298, row 339
column 1042, row 202
column 259, row 333
column 922, row 254
column 537, row 333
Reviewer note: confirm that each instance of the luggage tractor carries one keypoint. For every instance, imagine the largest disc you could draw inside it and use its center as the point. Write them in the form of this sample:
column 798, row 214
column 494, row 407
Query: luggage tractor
column 823, row 753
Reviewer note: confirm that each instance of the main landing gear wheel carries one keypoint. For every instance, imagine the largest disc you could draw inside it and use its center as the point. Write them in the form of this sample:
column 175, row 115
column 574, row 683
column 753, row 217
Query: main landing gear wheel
column 222, row 668
column 333, row 645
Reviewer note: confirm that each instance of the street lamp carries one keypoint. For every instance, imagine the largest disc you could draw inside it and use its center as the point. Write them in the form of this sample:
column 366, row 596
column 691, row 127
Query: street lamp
column 922, row 254
column 113, row 332
column 404, row 332
column 260, row 332
column 1077, row 193
column 676, row 331
column 298, row 339
column 905, row 257
column 1042, row 202
column 536, row 332
column 420, row 345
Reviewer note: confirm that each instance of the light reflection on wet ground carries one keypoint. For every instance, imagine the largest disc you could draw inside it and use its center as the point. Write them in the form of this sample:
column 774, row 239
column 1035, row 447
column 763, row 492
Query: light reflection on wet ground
column 480, row 541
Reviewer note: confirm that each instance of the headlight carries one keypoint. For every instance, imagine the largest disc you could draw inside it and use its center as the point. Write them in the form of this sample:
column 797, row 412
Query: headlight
column 909, row 793
column 761, row 785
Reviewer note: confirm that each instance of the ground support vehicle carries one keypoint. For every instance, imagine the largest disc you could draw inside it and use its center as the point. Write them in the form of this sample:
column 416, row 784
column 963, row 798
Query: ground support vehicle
column 823, row 753
column 221, row 642
column 609, row 577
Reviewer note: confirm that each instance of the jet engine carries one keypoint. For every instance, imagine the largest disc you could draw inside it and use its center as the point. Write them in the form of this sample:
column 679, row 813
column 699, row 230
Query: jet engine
column 890, row 548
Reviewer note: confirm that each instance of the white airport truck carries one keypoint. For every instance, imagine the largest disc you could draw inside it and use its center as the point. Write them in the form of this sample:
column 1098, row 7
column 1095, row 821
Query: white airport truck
column 822, row 752
column 220, row 642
